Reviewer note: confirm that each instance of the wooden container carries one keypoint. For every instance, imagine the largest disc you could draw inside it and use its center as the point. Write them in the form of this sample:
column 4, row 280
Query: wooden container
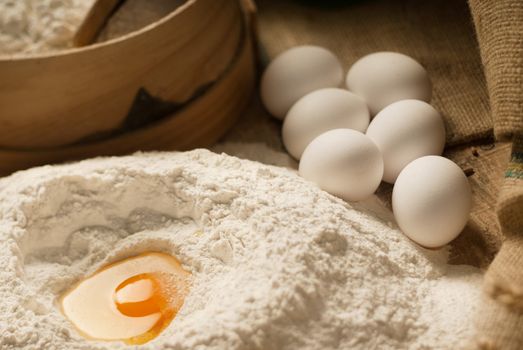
column 178, row 83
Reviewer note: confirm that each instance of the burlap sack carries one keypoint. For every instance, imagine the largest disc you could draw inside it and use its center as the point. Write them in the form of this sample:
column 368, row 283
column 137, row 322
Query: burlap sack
column 499, row 26
column 460, row 44
column 500, row 322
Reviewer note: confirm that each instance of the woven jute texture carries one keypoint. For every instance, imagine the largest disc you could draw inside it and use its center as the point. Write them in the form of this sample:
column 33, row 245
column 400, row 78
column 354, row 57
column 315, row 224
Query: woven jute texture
column 474, row 55
column 499, row 26
column 500, row 322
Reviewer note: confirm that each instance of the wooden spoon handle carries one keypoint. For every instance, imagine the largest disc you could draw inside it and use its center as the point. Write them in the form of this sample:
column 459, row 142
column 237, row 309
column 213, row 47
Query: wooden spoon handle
column 94, row 21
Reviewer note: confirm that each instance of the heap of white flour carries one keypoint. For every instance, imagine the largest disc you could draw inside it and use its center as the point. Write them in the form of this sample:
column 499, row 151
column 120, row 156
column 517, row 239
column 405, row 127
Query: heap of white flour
column 276, row 262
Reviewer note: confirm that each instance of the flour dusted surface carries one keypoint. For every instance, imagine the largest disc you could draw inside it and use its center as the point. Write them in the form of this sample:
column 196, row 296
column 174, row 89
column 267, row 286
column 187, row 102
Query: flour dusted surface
column 36, row 26
column 29, row 26
column 277, row 263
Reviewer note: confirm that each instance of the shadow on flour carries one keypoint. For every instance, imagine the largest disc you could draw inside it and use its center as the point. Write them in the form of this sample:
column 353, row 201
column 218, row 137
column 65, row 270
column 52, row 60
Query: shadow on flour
column 94, row 240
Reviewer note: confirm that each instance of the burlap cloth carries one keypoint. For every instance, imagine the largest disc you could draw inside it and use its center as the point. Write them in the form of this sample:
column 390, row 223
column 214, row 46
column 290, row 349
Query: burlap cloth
column 474, row 54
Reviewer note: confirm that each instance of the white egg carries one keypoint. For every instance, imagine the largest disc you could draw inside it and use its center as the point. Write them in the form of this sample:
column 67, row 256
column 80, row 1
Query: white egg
column 404, row 131
column 431, row 201
column 343, row 162
column 295, row 73
column 382, row 78
column 321, row 111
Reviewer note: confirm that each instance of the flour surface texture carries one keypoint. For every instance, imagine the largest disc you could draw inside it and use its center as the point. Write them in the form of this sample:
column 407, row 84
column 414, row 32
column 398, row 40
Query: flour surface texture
column 43, row 26
column 276, row 262
column 30, row 26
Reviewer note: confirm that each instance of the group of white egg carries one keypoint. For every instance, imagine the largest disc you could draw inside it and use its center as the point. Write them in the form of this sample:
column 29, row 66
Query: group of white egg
column 330, row 131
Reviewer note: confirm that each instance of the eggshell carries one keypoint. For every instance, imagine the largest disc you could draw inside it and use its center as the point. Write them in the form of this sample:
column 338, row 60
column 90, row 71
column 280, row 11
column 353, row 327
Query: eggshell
column 343, row 162
column 382, row 78
column 431, row 201
column 404, row 131
column 321, row 111
column 295, row 73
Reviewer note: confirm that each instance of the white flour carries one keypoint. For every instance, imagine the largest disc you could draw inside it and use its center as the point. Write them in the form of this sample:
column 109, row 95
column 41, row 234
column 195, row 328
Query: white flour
column 35, row 26
column 29, row 26
column 276, row 262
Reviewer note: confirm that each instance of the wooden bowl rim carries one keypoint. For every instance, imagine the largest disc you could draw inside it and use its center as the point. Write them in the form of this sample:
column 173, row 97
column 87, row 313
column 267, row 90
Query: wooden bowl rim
column 99, row 46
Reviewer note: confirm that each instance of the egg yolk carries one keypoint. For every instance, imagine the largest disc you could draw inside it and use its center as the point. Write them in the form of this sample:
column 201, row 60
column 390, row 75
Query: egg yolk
column 132, row 300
